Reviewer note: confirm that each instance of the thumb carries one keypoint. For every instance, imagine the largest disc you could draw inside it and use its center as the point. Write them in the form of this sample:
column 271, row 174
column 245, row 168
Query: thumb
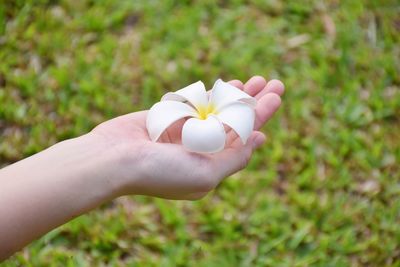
column 237, row 156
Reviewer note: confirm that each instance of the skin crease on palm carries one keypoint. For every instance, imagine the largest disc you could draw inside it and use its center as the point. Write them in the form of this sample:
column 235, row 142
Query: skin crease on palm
column 168, row 170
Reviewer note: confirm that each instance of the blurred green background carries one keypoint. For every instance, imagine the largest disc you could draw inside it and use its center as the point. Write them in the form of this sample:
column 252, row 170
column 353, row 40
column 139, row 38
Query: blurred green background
column 324, row 190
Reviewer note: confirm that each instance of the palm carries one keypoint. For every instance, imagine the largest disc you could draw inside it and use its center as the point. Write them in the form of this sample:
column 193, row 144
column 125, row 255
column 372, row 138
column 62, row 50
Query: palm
column 130, row 133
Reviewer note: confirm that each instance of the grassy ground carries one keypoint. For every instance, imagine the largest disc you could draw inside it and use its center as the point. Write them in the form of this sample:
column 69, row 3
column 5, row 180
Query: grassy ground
column 324, row 191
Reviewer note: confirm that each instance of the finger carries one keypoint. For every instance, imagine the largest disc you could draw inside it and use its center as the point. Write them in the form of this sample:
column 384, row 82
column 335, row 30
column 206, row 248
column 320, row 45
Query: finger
column 236, row 157
column 273, row 86
column 254, row 85
column 236, row 83
column 265, row 108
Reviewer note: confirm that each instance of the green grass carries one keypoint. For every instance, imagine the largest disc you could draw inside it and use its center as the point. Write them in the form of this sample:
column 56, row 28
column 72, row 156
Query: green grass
column 324, row 190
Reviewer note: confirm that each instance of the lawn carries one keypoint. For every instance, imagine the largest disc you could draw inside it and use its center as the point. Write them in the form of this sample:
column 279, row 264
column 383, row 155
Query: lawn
column 323, row 191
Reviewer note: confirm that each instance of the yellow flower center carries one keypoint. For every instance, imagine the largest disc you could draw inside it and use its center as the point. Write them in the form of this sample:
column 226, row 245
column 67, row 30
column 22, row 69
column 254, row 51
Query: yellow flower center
column 204, row 111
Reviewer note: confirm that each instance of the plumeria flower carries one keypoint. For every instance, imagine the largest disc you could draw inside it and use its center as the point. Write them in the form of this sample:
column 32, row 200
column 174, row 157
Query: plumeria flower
column 204, row 131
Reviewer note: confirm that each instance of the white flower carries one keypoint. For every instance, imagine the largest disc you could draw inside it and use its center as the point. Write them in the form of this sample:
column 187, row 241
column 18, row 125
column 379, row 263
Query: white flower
column 204, row 131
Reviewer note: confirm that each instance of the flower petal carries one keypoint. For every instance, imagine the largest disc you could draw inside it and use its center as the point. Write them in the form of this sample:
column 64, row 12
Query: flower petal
column 165, row 113
column 223, row 94
column 240, row 117
column 194, row 93
column 207, row 136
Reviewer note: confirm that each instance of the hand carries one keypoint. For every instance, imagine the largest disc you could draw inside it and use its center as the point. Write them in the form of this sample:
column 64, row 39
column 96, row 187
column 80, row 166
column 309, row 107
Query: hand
column 72, row 177
column 165, row 169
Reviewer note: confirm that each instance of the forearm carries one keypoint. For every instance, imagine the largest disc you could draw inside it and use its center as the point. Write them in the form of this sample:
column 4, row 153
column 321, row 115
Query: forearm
column 52, row 187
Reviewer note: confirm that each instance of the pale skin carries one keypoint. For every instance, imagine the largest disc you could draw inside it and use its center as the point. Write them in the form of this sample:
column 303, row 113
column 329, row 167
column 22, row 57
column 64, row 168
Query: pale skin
column 117, row 158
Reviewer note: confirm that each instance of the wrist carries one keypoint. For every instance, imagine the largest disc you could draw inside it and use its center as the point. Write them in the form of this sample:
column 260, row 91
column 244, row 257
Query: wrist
column 120, row 162
column 94, row 161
